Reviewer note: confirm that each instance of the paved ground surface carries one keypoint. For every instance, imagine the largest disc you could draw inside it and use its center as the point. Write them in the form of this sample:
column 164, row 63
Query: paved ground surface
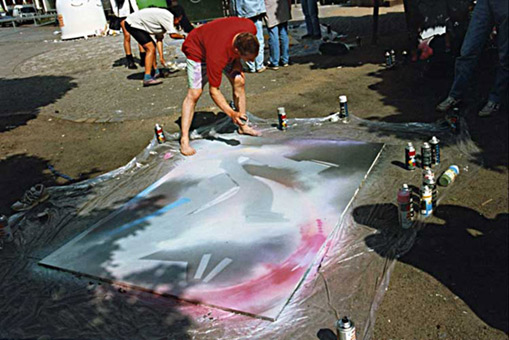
column 73, row 105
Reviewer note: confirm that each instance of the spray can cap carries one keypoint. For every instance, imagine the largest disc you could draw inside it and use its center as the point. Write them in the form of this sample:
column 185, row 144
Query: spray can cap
column 434, row 140
column 410, row 144
column 344, row 323
column 342, row 99
column 404, row 186
column 158, row 127
column 425, row 145
column 426, row 190
column 281, row 110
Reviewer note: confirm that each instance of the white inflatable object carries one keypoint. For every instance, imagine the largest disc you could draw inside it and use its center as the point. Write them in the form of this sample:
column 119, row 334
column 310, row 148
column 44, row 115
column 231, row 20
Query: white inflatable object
column 80, row 18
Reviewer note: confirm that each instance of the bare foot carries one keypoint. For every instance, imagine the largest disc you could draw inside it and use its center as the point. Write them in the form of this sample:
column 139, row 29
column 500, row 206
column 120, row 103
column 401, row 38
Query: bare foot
column 247, row 130
column 186, row 149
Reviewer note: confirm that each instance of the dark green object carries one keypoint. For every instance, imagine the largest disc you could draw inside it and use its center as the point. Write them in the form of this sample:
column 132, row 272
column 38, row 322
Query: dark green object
column 201, row 10
column 196, row 10
column 148, row 3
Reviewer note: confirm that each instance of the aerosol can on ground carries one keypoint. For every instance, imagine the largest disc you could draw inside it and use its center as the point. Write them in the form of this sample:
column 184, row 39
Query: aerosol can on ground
column 161, row 138
column 345, row 329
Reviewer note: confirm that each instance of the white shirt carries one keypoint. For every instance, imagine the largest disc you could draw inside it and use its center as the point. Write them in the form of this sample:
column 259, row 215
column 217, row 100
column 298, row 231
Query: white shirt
column 152, row 20
column 123, row 11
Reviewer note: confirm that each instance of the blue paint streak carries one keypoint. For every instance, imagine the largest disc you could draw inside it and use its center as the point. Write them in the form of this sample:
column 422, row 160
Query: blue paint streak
column 154, row 214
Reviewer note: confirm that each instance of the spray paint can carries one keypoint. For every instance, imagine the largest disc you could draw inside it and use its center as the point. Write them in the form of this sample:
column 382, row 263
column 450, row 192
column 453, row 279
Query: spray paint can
column 404, row 56
column 426, row 201
column 405, row 207
column 346, row 329
column 425, row 155
column 435, row 151
column 410, row 162
column 393, row 57
column 388, row 59
column 283, row 122
column 449, row 175
column 5, row 230
column 343, row 108
column 159, row 134
column 428, row 179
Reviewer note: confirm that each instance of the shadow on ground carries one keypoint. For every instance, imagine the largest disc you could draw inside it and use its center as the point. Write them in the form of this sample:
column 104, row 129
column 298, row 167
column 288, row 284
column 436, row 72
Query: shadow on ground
column 69, row 304
column 413, row 89
column 451, row 254
column 20, row 172
column 22, row 98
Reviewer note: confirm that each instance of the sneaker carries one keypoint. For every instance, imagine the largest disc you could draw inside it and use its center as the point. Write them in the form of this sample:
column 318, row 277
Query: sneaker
column 262, row 69
column 447, row 104
column 152, row 82
column 489, row 109
column 273, row 67
column 285, row 64
column 31, row 198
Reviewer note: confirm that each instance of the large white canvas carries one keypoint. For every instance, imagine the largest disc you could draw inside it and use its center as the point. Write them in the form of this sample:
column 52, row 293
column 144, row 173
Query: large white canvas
column 235, row 227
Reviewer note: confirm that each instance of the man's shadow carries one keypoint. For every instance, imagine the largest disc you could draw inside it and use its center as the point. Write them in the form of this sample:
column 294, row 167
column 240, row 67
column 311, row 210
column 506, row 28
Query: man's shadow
column 469, row 254
column 208, row 125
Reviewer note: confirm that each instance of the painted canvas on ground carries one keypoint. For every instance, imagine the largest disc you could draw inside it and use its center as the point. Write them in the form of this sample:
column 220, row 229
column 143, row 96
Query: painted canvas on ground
column 235, row 226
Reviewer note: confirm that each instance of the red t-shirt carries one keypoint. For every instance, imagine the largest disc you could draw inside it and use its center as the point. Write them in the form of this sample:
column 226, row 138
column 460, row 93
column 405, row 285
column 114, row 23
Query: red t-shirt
column 212, row 43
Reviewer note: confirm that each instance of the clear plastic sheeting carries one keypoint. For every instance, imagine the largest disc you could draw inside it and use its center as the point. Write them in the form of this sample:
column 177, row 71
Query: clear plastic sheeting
column 348, row 276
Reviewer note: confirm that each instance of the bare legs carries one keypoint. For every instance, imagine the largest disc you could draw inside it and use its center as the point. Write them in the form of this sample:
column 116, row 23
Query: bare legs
column 187, row 117
column 150, row 57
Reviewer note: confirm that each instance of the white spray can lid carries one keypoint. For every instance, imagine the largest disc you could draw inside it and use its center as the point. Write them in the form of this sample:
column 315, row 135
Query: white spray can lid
column 342, row 99
column 281, row 110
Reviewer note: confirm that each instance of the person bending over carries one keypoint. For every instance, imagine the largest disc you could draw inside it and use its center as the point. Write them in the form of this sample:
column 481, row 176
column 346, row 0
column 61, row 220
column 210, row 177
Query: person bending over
column 212, row 49
column 153, row 21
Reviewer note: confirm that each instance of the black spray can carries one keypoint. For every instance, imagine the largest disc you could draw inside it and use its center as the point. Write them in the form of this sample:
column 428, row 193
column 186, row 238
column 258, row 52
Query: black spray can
column 404, row 56
column 388, row 59
column 435, row 151
column 393, row 57
column 425, row 156
column 343, row 108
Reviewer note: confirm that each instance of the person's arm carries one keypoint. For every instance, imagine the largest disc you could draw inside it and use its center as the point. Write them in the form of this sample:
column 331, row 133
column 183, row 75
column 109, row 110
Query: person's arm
column 177, row 36
column 218, row 98
column 159, row 45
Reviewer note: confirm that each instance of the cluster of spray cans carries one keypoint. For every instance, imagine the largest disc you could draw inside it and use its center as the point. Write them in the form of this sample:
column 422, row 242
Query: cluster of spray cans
column 391, row 60
column 428, row 192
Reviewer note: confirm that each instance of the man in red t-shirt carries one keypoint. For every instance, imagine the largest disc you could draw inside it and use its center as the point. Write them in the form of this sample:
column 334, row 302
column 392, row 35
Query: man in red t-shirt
column 213, row 49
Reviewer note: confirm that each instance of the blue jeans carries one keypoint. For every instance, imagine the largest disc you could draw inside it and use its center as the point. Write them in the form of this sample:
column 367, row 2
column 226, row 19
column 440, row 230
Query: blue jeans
column 275, row 33
column 258, row 63
column 486, row 14
column 310, row 10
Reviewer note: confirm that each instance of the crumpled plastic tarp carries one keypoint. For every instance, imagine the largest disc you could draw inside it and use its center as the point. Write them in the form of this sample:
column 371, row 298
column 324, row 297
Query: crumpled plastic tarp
column 348, row 277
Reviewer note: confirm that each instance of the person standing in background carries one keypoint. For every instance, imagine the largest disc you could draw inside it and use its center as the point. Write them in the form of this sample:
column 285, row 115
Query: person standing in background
column 255, row 11
column 310, row 10
column 487, row 13
column 121, row 9
column 278, row 14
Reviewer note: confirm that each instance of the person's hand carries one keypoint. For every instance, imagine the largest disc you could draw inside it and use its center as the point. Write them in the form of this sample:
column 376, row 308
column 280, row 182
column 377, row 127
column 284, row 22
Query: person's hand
column 162, row 61
column 239, row 118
